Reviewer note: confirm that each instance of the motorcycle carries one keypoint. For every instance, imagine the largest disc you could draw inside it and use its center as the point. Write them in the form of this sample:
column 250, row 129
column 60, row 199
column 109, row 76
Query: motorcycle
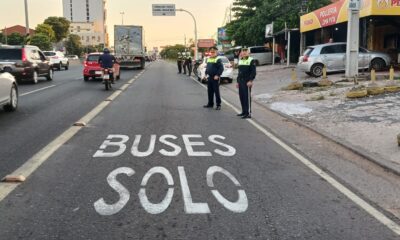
column 107, row 78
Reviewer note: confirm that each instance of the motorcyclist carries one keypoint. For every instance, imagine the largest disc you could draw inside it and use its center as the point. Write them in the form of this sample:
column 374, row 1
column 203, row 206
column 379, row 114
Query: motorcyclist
column 107, row 60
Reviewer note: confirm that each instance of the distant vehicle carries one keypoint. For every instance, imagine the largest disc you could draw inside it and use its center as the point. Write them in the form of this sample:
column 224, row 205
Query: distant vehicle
column 92, row 69
column 262, row 55
column 226, row 75
column 26, row 63
column 8, row 90
column 128, row 44
column 73, row 57
column 57, row 59
column 333, row 56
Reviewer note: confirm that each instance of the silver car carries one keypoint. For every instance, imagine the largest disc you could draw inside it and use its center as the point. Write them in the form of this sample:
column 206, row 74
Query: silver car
column 8, row 90
column 262, row 55
column 333, row 56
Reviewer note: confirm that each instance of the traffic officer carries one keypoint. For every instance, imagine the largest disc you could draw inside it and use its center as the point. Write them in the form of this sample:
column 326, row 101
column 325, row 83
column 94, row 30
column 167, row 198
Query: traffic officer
column 246, row 76
column 179, row 62
column 188, row 63
column 184, row 63
column 214, row 71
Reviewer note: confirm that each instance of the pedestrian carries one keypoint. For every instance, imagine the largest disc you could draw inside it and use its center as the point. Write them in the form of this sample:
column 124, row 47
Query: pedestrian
column 246, row 76
column 188, row 63
column 184, row 63
column 214, row 71
column 179, row 62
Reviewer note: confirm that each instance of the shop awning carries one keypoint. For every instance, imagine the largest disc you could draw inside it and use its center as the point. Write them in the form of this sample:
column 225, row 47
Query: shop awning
column 338, row 13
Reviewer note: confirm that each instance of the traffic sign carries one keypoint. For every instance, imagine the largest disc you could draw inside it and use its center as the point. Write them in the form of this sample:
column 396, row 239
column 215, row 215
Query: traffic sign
column 354, row 5
column 164, row 10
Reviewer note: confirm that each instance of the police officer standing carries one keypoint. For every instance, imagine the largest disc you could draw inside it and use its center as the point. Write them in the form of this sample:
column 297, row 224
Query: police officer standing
column 179, row 62
column 188, row 63
column 246, row 76
column 214, row 71
column 184, row 63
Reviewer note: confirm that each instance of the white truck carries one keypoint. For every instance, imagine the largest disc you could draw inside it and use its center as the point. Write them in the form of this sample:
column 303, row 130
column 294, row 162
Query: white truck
column 128, row 45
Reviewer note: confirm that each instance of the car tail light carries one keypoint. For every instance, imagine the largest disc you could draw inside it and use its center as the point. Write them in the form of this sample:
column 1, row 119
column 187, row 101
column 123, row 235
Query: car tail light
column 24, row 58
column 85, row 63
column 305, row 58
column 55, row 57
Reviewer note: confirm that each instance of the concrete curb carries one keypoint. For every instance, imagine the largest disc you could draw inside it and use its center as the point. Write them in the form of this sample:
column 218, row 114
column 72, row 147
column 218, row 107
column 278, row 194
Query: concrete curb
column 357, row 150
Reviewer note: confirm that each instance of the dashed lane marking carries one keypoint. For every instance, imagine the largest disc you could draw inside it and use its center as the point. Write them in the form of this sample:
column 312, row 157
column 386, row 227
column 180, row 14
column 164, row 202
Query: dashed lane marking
column 37, row 90
column 340, row 187
column 44, row 154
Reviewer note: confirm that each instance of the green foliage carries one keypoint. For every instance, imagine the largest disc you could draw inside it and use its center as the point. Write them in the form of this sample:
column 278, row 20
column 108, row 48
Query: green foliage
column 60, row 27
column 171, row 52
column 15, row 39
column 47, row 30
column 74, row 45
column 2, row 38
column 251, row 16
column 42, row 41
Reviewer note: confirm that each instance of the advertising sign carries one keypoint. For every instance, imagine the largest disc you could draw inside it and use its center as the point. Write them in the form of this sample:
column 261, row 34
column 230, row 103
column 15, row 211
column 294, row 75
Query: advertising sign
column 222, row 35
column 164, row 10
column 206, row 43
column 269, row 30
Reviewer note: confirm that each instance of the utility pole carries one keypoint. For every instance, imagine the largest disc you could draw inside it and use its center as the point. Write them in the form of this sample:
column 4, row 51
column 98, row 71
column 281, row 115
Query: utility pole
column 195, row 31
column 26, row 17
column 353, row 39
column 122, row 15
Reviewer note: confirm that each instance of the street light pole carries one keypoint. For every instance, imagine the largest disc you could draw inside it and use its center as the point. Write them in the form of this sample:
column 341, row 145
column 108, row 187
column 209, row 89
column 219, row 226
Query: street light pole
column 195, row 31
column 122, row 15
column 26, row 17
column 353, row 30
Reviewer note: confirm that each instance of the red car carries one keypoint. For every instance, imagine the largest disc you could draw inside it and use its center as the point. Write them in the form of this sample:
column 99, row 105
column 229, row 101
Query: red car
column 93, row 70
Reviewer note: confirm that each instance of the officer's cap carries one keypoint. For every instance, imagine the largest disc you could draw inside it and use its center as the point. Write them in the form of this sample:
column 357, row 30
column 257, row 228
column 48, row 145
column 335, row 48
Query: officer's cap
column 213, row 48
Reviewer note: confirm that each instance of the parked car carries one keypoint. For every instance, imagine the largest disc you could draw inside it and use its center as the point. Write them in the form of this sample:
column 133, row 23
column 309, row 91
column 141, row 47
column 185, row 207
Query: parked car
column 57, row 59
column 333, row 56
column 8, row 90
column 93, row 70
column 262, row 55
column 73, row 57
column 26, row 63
column 226, row 75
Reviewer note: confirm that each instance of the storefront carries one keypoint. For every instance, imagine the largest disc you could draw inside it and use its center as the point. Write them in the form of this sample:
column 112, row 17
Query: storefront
column 379, row 25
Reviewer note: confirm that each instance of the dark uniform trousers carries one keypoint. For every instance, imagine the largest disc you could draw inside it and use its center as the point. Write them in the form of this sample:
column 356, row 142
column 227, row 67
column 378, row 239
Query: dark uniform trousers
column 244, row 97
column 180, row 66
column 184, row 66
column 213, row 88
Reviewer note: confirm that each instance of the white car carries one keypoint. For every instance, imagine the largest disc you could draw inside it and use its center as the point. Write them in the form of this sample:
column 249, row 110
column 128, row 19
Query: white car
column 226, row 75
column 57, row 59
column 8, row 90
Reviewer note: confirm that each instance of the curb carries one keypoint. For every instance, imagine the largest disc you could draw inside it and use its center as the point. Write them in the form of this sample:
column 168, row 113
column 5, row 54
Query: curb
column 357, row 150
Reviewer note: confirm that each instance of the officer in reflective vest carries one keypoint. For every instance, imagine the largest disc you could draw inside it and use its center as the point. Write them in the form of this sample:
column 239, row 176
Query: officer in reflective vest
column 214, row 71
column 246, row 76
column 184, row 63
column 179, row 62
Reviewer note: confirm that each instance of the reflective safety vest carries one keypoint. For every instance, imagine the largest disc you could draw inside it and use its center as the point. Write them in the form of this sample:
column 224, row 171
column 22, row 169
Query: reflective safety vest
column 213, row 60
column 246, row 62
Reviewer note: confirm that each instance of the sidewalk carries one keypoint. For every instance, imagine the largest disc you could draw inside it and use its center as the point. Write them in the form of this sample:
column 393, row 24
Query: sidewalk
column 368, row 125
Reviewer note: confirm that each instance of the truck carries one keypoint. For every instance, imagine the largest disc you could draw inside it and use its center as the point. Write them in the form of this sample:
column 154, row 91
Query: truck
column 128, row 46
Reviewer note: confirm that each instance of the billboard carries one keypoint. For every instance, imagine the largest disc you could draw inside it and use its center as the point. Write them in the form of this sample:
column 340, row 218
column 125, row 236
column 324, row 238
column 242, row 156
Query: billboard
column 222, row 35
column 206, row 43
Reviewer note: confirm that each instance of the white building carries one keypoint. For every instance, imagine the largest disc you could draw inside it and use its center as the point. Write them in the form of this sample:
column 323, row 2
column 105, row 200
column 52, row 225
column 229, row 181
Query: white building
column 88, row 20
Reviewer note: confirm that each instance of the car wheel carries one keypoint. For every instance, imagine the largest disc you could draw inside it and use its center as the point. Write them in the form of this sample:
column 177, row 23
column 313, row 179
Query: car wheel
column 35, row 77
column 257, row 63
column 378, row 64
column 67, row 66
column 50, row 75
column 13, row 104
column 85, row 78
column 316, row 70
column 309, row 74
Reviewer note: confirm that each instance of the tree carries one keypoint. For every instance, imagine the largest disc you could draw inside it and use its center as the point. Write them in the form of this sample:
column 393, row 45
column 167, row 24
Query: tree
column 42, row 41
column 15, row 39
column 251, row 16
column 60, row 27
column 47, row 30
column 74, row 45
column 171, row 52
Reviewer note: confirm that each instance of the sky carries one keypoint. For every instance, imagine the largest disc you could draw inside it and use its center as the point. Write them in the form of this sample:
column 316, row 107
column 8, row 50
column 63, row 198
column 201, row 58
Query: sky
column 159, row 31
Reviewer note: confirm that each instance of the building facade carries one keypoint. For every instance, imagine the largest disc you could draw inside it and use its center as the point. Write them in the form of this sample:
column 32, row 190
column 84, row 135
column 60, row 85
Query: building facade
column 90, row 16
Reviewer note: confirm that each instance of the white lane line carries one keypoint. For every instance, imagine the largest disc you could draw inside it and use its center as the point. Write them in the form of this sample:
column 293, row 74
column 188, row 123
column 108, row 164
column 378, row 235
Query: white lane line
column 340, row 187
column 43, row 155
column 37, row 90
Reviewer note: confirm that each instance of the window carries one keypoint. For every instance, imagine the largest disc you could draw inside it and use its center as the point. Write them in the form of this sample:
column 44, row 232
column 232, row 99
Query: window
column 10, row 54
column 93, row 58
column 34, row 55
column 334, row 49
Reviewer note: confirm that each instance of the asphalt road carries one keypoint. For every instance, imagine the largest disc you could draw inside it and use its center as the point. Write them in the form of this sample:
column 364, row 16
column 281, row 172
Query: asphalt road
column 170, row 170
column 46, row 110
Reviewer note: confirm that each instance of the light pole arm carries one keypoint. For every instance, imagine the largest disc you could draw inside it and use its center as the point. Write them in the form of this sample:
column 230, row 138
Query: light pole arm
column 195, row 31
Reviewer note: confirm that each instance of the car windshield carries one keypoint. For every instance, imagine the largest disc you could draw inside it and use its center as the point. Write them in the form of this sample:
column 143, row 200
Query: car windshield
column 49, row 54
column 93, row 58
column 308, row 51
column 10, row 54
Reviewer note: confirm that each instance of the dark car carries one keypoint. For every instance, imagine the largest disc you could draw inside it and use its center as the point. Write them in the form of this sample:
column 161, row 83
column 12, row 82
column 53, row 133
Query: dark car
column 27, row 63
